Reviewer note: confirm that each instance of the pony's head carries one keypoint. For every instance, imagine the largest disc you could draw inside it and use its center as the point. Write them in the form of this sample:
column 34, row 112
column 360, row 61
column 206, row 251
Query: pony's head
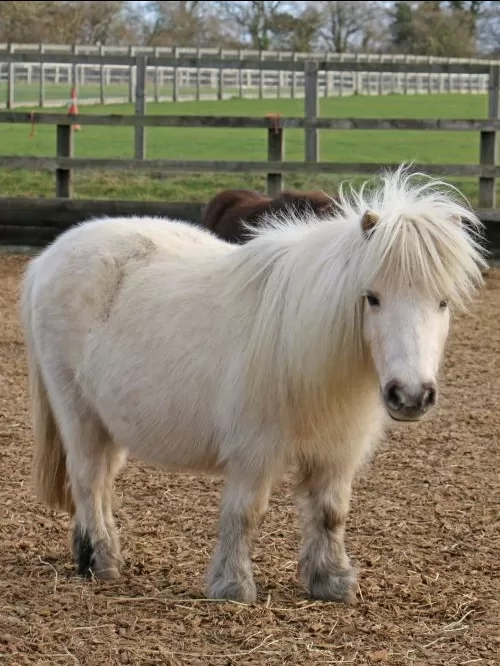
column 420, row 258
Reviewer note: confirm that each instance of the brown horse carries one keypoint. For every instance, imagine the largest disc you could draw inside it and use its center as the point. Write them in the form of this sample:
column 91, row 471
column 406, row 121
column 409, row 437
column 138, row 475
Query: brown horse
column 228, row 211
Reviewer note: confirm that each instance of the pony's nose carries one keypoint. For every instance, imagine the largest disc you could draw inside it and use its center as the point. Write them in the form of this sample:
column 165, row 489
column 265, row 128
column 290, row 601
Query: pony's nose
column 405, row 404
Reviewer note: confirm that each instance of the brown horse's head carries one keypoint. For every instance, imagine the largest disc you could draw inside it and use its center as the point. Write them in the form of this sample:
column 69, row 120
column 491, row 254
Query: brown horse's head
column 228, row 202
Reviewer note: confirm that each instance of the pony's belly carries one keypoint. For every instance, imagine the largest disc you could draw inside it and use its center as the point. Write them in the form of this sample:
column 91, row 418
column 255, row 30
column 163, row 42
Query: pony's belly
column 159, row 437
column 177, row 452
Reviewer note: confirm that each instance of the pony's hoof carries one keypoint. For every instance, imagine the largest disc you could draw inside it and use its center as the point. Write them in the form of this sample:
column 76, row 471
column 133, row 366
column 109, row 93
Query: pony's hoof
column 244, row 592
column 106, row 566
column 110, row 573
column 99, row 561
column 329, row 586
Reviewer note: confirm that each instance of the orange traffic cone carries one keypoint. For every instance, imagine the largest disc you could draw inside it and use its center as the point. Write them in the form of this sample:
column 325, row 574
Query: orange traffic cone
column 73, row 107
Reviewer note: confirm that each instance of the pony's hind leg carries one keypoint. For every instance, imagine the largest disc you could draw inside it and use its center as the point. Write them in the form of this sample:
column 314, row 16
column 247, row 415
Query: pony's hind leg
column 88, row 449
column 116, row 460
column 324, row 565
column 244, row 505
column 95, row 542
column 101, row 554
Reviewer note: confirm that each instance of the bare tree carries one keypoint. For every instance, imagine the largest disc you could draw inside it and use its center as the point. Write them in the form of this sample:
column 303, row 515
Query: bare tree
column 185, row 23
column 253, row 20
column 297, row 31
column 100, row 22
column 351, row 25
column 443, row 31
column 23, row 21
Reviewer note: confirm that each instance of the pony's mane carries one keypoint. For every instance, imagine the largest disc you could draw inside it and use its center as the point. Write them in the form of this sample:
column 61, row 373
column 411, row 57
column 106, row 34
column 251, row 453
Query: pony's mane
column 310, row 274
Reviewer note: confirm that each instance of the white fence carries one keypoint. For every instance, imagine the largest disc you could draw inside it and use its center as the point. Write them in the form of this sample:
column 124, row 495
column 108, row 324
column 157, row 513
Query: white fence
column 45, row 79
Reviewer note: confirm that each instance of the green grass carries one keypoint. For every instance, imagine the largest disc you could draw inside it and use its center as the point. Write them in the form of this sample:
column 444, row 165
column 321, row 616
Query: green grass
column 224, row 144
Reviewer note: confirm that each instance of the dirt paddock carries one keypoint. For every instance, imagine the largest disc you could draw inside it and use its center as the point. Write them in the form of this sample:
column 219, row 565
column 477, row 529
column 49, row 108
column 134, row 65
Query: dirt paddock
column 423, row 531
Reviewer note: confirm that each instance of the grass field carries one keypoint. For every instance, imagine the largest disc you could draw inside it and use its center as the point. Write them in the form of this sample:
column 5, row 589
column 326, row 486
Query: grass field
column 199, row 144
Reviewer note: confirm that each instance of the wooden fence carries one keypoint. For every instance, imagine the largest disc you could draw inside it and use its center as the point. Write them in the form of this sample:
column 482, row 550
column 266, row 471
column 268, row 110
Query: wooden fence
column 43, row 73
column 276, row 166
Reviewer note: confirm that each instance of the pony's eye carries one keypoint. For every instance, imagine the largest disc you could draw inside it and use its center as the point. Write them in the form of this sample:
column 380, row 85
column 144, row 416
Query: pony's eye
column 443, row 304
column 373, row 300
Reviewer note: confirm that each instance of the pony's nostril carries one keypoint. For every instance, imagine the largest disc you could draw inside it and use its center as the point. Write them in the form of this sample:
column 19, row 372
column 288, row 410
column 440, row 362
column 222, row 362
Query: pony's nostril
column 429, row 397
column 394, row 396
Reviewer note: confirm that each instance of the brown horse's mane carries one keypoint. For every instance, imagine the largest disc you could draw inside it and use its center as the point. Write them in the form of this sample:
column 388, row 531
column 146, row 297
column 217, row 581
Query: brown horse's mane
column 227, row 212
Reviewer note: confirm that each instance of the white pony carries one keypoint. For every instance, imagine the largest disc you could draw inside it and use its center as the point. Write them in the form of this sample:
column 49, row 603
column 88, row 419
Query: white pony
column 153, row 337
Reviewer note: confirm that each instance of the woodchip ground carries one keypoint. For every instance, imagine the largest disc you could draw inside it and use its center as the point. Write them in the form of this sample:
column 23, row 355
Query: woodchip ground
column 424, row 532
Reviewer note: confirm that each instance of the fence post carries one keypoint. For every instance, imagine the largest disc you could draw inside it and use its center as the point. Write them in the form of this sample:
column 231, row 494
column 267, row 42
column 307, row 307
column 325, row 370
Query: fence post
column 102, row 95
column 261, row 76
column 488, row 142
column 326, row 89
column 278, row 78
column 140, row 106
column 156, row 77
column 198, row 76
column 41, row 82
column 131, row 77
column 357, row 77
column 175, row 77
column 293, row 92
column 64, row 148
column 74, row 68
column 10, row 80
column 275, row 153
column 240, row 75
column 311, row 111
column 220, row 82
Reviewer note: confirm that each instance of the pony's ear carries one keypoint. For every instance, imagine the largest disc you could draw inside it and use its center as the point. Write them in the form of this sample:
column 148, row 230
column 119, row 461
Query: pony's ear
column 457, row 219
column 369, row 220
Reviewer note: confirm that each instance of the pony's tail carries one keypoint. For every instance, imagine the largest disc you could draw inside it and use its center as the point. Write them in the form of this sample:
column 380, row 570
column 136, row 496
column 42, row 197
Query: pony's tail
column 48, row 473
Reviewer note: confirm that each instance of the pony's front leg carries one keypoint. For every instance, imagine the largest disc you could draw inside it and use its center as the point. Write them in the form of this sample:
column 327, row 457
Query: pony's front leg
column 324, row 565
column 244, row 505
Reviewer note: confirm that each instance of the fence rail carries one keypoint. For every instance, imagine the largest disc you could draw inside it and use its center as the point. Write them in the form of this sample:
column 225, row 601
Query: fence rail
column 33, row 223
column 206, row 52
column 254, row 122
column 105, row 74
column 219, row 62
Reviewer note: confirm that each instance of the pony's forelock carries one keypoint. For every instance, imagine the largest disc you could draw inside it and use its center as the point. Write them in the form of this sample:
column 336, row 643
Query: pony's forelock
column 436, row 237
column 427, row 236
